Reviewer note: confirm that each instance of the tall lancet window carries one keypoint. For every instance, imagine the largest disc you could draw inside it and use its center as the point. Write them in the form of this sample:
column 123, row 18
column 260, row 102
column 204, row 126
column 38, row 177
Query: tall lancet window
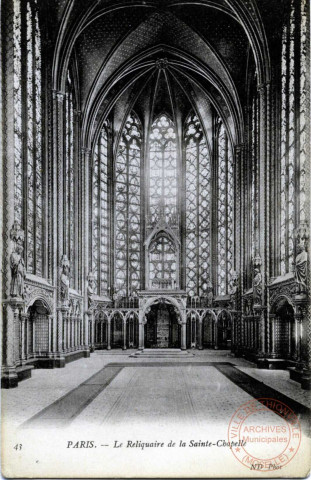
column 18, row 127
column 127, row 207
column 198, row 207
column 304, row 109
column 100, row 227
column 254, row 177
column 163, row 164
column 70, row 180
column 28, row 176
column 225, row 213
column 288, row 119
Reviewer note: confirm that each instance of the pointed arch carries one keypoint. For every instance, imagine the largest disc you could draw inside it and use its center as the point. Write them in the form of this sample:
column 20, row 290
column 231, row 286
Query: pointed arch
column 225, row 185
column 163, row 164
column 128, row 208
column 198, row 207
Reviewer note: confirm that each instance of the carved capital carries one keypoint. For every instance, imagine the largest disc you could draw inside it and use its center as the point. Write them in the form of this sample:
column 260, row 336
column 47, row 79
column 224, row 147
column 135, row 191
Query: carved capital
column 302, row 233
column 86, row 151
column 58, row 95
column 17, row 234
column 239, row 148
column 263, row 87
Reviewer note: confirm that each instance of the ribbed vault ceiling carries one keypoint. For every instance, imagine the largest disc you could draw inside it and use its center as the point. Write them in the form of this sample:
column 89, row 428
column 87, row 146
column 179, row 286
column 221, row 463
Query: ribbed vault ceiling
column 208, row 47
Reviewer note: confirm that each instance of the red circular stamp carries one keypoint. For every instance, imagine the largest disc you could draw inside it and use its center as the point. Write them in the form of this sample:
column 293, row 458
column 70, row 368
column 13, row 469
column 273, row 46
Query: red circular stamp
column 264, row 434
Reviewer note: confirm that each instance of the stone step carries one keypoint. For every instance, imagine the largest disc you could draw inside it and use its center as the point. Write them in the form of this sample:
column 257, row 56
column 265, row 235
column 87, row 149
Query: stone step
column 162, row 353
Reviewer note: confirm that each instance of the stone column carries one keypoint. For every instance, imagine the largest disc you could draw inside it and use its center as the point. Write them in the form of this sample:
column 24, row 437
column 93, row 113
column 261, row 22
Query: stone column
column 23, row 320
column 50, row 338
column 268, row 350
column 184, row 335
column 200, row 334
column 233, row 331
column 124, row 334
column 9, row 375
column 27, row 337
column 34, row 337
column 273, row 317
column 297, row 336
column 216, row 335
column 239, row 172
column 192, row 331
column 131, row 332
column 86, row 330
column 109, row 334
column 93, row 332
column 60, row 361
column 73, row 336
column 85, row 169
column 141, row 336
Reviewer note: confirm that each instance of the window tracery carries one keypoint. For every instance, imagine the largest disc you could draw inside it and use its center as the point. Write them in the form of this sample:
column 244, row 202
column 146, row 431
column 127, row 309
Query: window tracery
column 198, row 207
column 225, row 213
column 127, row 208
column 100, row 227
column 303, row 110
column 162, row 170
column 69, row 179
column 28, row 163
column 288, row 128
column 254, row 176
column 162, row 263
column 17, row 74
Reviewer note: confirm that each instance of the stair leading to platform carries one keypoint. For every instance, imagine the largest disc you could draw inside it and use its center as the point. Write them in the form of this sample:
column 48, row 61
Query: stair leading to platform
column 162, row 353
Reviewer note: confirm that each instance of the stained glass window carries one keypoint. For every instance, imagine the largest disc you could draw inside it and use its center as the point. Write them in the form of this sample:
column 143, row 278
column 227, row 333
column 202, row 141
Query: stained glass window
column 18, row 163
column 69, row 179
column 288, row 120
column 30, row 145
column 28, row 164
column 162, row 263
column 100, row 225
column 254, row 177
column 38, row 147
column 127, row 208
column 304, row 109
column 198, row 207
column 225, row 213
column 163, row 164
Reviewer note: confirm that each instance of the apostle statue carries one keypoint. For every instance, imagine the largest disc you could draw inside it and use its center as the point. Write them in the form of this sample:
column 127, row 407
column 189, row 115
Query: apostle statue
column 209, row 293
column 234, row 284
column 301, row 263
column 18, row 272
column 257, row 288
column 90, row 288
column 64, row 279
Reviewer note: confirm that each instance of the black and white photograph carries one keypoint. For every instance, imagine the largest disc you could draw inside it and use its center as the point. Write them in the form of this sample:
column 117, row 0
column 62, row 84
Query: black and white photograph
column 155, row 238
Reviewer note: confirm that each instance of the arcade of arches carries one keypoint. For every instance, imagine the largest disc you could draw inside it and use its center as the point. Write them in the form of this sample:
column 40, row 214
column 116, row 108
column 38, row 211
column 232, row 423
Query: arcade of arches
column 156, row 180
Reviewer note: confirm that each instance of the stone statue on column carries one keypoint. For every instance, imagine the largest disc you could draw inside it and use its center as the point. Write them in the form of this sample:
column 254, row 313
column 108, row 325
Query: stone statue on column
column 209, row 291
column 64, row 279
column 257, row 281
column 302, row 235
column 301, row 268
column 90, row 288
column 233, row 289
column 17, row 264
column 18, row 272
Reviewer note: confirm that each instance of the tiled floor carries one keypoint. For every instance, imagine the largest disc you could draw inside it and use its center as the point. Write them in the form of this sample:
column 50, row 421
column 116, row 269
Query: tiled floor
column 190, row 395
column 279, row 379
column 152, row 393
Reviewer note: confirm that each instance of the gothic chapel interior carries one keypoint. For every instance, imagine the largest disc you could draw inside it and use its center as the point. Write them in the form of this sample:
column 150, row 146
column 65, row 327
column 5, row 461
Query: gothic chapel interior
column 156, row 180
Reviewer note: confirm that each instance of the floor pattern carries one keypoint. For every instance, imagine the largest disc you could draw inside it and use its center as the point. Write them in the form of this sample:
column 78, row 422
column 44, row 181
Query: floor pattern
column 123, row 392
column 65, row 409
